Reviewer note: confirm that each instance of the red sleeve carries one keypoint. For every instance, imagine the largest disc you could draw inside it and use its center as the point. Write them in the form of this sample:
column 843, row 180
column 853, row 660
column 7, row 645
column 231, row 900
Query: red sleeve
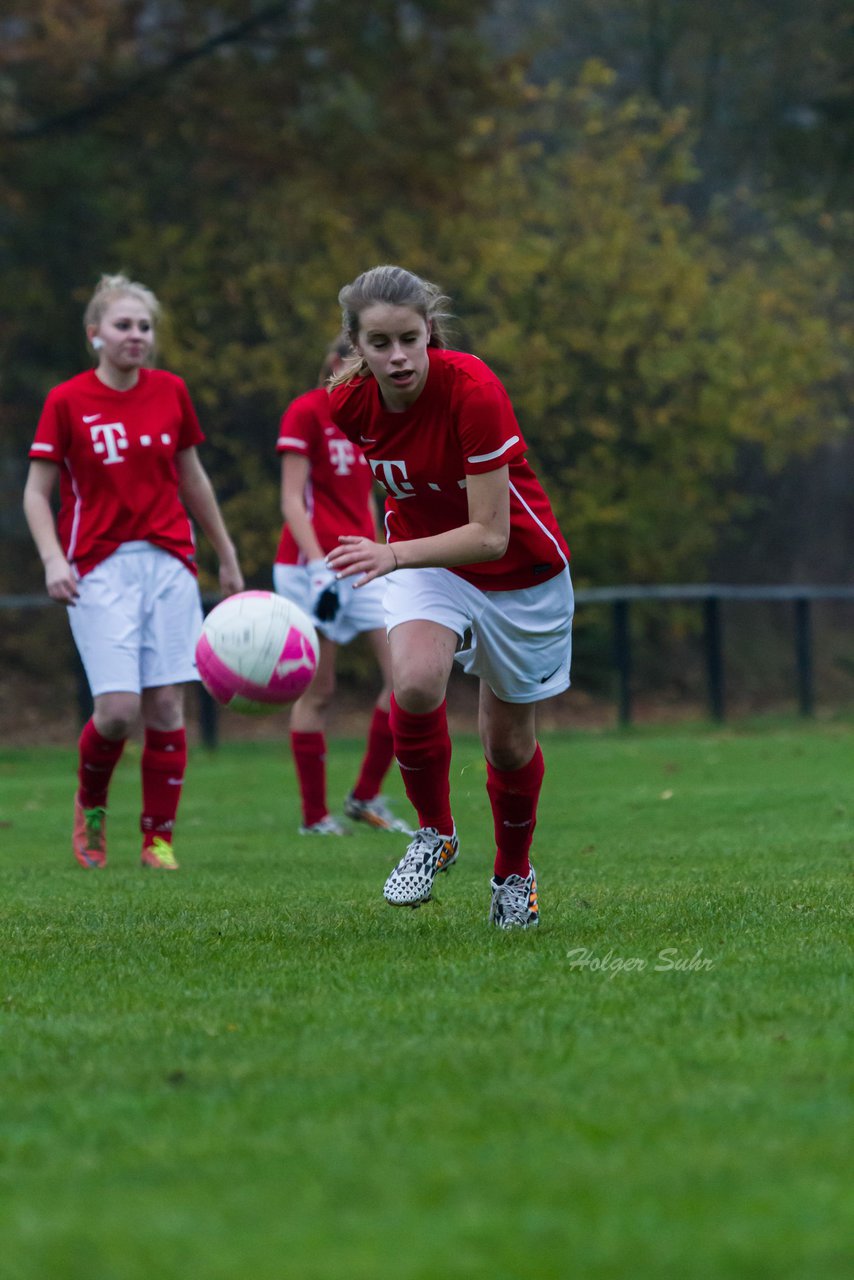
column 489, row 434
column 191, row 431
column 296, row 429
column 49, row 443
column 349, row 407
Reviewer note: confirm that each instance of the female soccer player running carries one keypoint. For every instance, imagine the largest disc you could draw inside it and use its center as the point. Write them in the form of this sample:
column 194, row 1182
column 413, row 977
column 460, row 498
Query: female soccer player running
column 327, row 490
column 122, row 439
column 477, row 571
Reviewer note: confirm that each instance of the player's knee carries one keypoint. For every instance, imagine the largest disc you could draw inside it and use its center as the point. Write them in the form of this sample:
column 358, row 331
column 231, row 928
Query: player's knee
column 507, row 761
column 116, row 727
column 115, row 718
column 419, row 694
column 163, row 708
column 318, row 700
column 508, row 752
column 420, row 681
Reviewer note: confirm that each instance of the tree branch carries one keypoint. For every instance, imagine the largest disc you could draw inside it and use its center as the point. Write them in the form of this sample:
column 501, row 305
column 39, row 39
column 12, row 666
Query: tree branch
column 105, row 102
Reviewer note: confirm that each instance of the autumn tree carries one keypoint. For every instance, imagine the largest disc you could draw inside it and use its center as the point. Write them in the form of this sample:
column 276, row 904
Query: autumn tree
column 645, row 350
column 768, row 86
column 246, row 160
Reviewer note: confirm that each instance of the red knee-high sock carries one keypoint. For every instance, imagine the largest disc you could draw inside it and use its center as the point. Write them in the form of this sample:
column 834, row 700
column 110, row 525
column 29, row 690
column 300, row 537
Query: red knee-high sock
column 378, row 756
column 309, row 752
column 164, row 762
column 98, row 757
column 513, row 794
column 423, row 749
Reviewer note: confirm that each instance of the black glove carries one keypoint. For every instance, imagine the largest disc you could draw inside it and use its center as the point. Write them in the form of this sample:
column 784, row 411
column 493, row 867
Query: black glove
column 323, row 596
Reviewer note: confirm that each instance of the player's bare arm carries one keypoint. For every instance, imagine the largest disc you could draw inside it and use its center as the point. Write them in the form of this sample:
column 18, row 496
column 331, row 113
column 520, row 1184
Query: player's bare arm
column 197, row 495
column 59, row 577
column 295, row 474
column 484, row 537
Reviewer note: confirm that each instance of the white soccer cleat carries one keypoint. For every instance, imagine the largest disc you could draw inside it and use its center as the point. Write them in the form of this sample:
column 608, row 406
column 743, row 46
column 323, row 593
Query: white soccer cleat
column 430, row 853
column 327, row 826
column 375, row 813
column 514, row 903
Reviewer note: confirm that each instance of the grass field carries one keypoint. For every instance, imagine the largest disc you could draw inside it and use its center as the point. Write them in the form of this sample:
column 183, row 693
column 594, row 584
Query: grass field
column 255, row 1068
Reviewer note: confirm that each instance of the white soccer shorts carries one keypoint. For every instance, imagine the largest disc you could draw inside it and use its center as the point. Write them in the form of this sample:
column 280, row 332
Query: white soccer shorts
column 518, row 642
column 358, row 611
column 137, row 620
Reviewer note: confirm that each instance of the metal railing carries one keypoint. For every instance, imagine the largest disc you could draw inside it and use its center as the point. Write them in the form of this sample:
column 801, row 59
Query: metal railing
column 708, row 595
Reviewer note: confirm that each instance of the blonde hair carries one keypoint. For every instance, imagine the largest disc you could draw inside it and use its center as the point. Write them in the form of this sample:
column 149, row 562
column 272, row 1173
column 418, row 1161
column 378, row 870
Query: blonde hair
column 398, row 288
column 109, row 288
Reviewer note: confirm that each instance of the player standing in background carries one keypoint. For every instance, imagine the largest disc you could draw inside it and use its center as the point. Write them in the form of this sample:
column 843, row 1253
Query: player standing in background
column 326, row 491
column 477, row 571
column 122, row 439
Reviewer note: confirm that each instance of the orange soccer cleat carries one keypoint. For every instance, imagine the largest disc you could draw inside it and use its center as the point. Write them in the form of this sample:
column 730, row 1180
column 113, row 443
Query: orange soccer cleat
column 89, row 841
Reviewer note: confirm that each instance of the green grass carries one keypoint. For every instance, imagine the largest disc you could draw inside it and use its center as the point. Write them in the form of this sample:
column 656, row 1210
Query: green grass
column 255, row 1068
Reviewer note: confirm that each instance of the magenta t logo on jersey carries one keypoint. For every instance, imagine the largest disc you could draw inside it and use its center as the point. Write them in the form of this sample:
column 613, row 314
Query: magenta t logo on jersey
column 109, row 438
column 384, row 469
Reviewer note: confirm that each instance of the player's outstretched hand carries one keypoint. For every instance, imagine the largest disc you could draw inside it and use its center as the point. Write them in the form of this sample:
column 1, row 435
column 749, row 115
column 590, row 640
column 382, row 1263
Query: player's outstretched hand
column 360, row 555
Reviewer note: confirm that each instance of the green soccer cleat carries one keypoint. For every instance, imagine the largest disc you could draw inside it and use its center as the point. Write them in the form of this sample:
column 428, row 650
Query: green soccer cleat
column 89, row 842
column 159, row 855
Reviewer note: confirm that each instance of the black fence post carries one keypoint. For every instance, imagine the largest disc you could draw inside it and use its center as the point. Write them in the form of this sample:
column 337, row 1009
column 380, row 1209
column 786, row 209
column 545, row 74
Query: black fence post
column 714, row 656
column 208, row 709
column 803, row 655
column 623, row 661
column 620, row 598
column 208, row 719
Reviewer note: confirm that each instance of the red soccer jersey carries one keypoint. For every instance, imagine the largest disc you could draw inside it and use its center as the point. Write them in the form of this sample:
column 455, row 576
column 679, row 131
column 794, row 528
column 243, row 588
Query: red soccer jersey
column 339, row 484
column 116, row 452
column 461, row 424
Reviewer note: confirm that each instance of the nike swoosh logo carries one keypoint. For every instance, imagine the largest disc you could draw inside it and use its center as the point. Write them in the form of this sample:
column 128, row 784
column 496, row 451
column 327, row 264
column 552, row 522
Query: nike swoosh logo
column 92, row 417
column 543, row 679
column 367, row 440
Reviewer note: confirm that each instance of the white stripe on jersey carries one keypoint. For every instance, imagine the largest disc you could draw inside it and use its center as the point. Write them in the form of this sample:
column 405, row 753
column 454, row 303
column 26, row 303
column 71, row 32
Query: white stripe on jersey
column 78, row 511
column 496, row 453
column 292, row 442
column 308, row 499
column 42, row 448
column 539, row 522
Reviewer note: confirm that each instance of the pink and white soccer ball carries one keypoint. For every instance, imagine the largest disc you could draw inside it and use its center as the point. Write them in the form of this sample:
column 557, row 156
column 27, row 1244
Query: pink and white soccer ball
column 257, row 652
